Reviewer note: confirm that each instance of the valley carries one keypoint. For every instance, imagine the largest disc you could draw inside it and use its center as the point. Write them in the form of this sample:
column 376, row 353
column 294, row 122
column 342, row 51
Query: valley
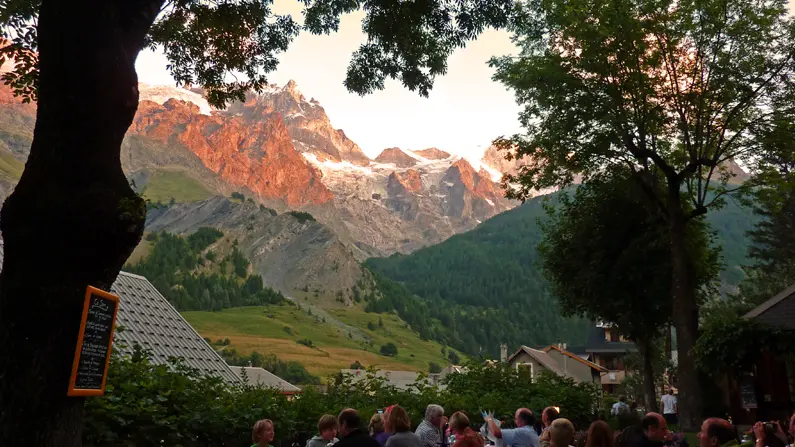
column 278, row 329
column 415, row 247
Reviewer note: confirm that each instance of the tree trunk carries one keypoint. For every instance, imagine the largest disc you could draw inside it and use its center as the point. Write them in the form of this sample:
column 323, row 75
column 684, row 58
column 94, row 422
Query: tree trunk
column 685, row 315
column 647, row 356
column 73, row 219
column 668, row 358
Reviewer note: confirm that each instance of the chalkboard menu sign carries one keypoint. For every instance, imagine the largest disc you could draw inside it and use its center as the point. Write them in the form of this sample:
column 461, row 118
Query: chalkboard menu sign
column 748, row 392
column 94, row 342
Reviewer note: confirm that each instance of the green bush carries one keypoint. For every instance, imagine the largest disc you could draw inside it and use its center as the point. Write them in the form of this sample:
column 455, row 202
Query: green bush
column 306, row 342
column 389, row 349
column 152, row 405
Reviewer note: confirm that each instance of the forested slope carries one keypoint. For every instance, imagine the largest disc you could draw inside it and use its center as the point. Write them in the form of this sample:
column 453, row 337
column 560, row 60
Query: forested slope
column 486, row 288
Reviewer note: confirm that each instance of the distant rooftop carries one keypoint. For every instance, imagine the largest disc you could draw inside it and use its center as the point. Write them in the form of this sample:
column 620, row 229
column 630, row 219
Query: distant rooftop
column 264, row 378
column 150, row 321
column 778, row 311
column 598, row 344
column 399, row 379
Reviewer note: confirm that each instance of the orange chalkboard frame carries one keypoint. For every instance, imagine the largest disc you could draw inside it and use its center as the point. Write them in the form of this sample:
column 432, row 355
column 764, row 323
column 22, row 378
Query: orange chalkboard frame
column 73, row 391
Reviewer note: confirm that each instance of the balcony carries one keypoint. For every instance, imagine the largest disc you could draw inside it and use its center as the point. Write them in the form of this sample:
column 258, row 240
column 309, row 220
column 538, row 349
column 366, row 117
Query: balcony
column 613, row 377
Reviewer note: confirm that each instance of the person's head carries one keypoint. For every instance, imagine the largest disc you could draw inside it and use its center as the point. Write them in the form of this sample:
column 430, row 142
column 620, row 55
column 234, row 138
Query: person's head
column 548, row 415
column 561, row 433
column 715, row 432
column 327, row 427
column 399, row 420
column 376, row 424
column 349, row 421
column 434, row 414
column 622, row 399
column 459, row 422
column 385, row 417
column 524, row 417
column 654, row 427
column 629, row 436
column 633, row 405
column 262, row 434
column 600, row 435
column 671, row 391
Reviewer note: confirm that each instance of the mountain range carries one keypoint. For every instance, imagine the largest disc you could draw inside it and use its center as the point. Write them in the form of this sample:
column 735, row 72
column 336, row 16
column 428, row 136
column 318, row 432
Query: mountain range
column 307, row 206
column 282, row 150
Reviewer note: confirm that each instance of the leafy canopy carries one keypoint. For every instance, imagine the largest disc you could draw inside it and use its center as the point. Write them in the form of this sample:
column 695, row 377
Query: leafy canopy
column 208, row 43
column 773, row 249
column 667, row 88
column 605, row 254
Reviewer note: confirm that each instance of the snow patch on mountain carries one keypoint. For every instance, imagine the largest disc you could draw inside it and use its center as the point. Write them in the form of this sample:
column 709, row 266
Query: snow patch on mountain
column 162, row 93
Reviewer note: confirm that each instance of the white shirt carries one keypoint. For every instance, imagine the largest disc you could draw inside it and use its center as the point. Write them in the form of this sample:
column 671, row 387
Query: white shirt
column 669, row 404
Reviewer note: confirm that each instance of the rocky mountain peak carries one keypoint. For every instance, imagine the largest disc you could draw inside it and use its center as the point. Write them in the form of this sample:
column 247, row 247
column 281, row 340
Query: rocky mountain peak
column 397, row 156
column 408, row 180
column 495, row 158
column 310, row 128
column 433, row 153
column 256, row 153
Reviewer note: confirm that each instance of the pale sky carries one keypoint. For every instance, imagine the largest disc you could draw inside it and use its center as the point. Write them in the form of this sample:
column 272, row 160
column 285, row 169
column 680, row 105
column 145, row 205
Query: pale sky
column 466, row 110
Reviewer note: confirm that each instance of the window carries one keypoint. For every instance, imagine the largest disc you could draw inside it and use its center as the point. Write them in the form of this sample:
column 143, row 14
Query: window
column 528, row 367
column 612, row 363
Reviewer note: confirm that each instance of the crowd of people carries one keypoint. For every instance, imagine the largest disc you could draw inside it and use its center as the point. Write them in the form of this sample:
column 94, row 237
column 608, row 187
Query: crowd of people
column 392, row 428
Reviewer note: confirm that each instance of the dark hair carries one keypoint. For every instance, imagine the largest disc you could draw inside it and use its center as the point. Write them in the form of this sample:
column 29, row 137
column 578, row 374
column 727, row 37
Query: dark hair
column 526, row 416
column 629, row 436
column 551, row 413
column 399, row 420
column 350, row 418
column 622, row 398
column 600, row 435
column 326, row 422
column 650, row 420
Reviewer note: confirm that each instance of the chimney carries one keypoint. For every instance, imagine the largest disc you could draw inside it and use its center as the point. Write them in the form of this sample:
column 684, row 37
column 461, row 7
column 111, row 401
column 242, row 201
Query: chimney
column 564, row 346
column 503, row 353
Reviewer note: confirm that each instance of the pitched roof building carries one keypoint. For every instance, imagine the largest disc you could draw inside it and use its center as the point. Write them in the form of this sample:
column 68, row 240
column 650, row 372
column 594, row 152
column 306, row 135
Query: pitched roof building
column 557, row 360
column 399, row 379
column 778, row 311
column 263, row 378
column 149, row 320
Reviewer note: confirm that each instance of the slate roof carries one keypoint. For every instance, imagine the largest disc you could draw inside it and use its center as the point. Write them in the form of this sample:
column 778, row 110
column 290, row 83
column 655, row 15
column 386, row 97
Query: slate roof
column 152, row 322
column 541, row 357
column 399, row 379
column 578, row 358
column 778, row 311
column 597, row 343
column 264, row 378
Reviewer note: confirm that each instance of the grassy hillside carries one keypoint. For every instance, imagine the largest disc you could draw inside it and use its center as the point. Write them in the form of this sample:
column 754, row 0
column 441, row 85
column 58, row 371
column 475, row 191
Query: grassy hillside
column 10, row 167
column 488, row 278
column 277, row 330
column 166, row 185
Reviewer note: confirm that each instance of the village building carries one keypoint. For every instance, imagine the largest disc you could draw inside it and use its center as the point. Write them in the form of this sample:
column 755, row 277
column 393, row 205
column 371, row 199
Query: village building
column 607, row 348
column 766, row 391
column 147, row 319
column 261, row 377
column 401, row 380
column 557, row 360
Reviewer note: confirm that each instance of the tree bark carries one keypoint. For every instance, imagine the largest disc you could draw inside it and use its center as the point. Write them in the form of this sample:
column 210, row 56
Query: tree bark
column 649, row 393
column 73, row 219
column 685, row 315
